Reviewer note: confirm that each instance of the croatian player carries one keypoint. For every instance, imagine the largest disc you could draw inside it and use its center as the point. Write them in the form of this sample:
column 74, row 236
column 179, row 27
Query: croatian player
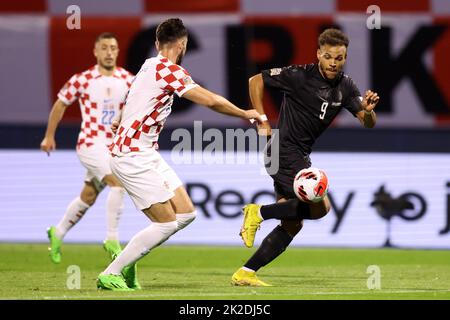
column 100, row 91
column 153, row 186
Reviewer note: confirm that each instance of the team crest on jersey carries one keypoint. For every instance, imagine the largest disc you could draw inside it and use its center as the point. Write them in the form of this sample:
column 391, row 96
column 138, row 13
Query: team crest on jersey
column 187, row 80
column 275, row 71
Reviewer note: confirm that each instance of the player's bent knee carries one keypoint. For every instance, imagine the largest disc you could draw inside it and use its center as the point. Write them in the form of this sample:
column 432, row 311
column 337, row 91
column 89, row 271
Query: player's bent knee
column 319, row 214
column 185, row 219
column 89, row 201
column 184, row 207
column 88, row 197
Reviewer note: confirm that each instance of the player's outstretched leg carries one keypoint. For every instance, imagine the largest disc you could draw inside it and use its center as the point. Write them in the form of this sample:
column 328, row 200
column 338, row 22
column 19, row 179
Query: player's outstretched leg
column 252, row 221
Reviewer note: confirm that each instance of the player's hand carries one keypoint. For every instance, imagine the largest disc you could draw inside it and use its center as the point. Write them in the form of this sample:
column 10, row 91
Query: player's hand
column 264, row 129
column 370, row 100
column 48, row 144
column 253, row 116
column 114, row 126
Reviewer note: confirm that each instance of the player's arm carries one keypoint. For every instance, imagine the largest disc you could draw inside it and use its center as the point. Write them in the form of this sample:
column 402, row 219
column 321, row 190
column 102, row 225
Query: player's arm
column 219, row 104
column 367, row 115
column 48, row 143
column 256, row 92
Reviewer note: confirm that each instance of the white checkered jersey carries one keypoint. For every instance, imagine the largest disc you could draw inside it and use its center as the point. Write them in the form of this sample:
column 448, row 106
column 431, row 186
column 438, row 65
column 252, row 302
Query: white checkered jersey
column 100, row 98
column 148, row 105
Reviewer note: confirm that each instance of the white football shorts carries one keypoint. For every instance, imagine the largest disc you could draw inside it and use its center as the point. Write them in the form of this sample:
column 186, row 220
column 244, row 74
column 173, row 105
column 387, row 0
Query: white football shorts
column 147, row 178
column 95, row 159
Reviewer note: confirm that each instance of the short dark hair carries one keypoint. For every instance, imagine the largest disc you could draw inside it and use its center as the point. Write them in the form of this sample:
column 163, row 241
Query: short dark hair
column 170, row 30
column 333, row 37
column 105, row 35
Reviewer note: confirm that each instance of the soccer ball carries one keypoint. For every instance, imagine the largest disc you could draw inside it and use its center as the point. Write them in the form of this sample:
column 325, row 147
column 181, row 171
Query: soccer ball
column 311, row 185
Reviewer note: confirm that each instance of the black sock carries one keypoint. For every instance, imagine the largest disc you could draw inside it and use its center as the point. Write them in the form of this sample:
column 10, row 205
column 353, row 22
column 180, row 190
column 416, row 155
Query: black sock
column 292, row 209
column 271, row 247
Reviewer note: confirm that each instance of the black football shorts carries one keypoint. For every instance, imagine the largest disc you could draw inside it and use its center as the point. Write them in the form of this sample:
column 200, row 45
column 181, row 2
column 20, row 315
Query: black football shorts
column 290, row 162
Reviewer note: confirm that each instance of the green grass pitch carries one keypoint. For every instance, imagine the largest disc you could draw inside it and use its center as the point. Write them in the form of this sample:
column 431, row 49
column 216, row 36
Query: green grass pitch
column 204, row 272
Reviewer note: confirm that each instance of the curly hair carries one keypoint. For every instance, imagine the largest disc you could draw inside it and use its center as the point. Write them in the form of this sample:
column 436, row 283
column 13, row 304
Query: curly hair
column 333, row 37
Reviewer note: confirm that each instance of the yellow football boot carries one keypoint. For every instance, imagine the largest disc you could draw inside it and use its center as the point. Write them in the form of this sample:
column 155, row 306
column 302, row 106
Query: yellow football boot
column 251, row 224
column 247, row 278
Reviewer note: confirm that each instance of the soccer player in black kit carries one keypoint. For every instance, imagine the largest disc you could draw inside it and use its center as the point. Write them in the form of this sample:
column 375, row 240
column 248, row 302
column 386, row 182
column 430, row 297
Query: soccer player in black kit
column 314, row 94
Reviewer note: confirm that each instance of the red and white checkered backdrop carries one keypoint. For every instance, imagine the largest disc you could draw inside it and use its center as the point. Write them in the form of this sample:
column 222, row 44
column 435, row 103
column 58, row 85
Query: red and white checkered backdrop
column 230, row 40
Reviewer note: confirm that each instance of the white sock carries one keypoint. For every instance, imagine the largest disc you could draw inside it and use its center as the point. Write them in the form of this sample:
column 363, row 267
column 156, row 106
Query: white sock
column 114, row 207
column 247, row 269
column 144, row 241
column 74, row 212
column 184, row 219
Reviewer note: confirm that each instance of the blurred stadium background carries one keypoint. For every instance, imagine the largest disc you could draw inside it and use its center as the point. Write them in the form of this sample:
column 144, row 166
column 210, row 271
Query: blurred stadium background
column 405, row 159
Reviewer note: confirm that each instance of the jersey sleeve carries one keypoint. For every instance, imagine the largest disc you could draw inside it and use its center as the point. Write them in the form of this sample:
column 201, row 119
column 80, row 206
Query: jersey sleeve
column 174, row 79
column 71, row 90
column 352, row 97
column 284, row 79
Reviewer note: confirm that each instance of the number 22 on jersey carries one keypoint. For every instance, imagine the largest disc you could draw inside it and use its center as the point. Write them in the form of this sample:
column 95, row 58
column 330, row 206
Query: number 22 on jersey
column 108, row 112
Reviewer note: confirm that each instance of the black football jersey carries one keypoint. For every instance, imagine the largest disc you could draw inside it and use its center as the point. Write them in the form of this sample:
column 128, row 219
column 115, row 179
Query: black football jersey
column 310, row 103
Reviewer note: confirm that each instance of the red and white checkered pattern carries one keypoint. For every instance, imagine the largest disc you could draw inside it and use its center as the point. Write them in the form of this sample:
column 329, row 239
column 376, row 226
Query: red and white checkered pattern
column 121, row 73
column 149, row 104
column 172, row 75
column 100, row 98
